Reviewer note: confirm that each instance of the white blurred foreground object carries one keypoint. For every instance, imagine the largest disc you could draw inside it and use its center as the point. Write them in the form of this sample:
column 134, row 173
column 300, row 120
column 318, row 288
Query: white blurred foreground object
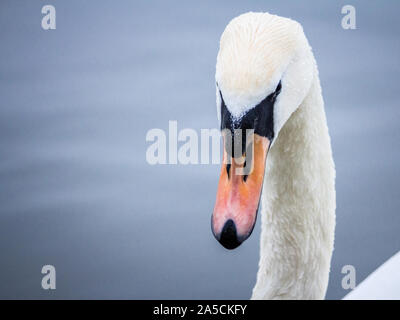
column 382, row 284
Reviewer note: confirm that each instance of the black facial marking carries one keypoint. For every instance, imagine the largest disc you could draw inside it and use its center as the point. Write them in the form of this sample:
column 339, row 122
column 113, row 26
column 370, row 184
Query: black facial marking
column 260, row 119
column 245, row 176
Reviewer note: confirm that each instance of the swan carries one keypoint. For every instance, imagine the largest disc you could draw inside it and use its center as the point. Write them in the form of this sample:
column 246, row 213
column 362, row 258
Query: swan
column 267, row 81
column 382, row 284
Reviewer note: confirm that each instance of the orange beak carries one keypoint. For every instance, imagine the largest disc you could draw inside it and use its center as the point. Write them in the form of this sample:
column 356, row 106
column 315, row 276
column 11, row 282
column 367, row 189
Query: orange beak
column 238, row 194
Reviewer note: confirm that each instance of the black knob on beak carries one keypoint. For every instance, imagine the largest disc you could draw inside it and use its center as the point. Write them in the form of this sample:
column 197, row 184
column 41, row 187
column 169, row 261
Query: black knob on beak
column 228, row 236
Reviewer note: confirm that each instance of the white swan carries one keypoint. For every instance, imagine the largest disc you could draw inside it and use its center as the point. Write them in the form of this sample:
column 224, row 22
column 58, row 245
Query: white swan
column 267, row 80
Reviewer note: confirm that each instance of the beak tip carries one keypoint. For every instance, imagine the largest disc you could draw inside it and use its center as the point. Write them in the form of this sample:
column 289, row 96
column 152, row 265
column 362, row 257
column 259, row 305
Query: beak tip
column 228, row 237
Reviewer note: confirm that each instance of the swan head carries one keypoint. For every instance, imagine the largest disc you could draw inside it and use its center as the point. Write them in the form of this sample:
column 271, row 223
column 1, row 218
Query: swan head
column 264, row 70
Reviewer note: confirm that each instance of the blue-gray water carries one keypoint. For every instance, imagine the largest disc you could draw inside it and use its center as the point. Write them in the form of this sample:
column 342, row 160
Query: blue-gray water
column 76, row 191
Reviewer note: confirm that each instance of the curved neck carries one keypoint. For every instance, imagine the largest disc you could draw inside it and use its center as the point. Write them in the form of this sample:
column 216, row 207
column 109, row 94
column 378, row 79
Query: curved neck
column 298, row 207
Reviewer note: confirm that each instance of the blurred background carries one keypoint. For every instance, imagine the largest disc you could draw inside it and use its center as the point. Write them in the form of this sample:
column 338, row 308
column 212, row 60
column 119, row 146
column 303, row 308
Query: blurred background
column 76, row 191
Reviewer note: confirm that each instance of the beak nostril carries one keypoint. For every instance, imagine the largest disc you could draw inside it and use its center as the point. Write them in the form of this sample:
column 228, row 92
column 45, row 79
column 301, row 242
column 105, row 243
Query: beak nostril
column 229, row 236
column 228, row 168
column 244, row 168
